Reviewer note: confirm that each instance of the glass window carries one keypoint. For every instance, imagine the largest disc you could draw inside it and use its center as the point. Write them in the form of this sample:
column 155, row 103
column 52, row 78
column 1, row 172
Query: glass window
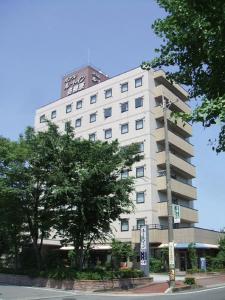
column 138, row 102
column 67, row 125
column 53, row 114
column 92, row 137
column 141, row 147
column 93, row 99
column 124, row 174
column 139, row 172
column 79, row 104
column 124, row 107
column 124, row 225
column 138, row 82
column 124, row 128
column 42, row 119
column 140, row 197
column 140, row 222
column 78, row 122
column 139, row 124
column 124, row 87
column 108, row 93
column 92, row 118
column 108, row 133
column 68, row 108
column 107, row 112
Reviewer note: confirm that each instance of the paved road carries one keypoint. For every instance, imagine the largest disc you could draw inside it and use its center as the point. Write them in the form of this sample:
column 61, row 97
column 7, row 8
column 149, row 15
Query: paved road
column 27, row 293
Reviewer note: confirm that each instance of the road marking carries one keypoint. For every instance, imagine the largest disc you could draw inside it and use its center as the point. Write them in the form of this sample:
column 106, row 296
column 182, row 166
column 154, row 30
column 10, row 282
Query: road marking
column 198, row 291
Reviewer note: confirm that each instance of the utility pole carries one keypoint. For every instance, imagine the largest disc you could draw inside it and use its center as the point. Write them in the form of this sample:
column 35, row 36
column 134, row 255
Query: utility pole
column 169, row 200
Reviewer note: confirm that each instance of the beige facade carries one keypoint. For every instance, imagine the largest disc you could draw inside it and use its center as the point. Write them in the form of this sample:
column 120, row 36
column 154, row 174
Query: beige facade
column 128, row 107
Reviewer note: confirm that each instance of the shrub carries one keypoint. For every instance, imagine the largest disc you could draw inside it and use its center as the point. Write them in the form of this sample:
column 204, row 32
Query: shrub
column 156, row 265
column 130, row 273
column 189, row 280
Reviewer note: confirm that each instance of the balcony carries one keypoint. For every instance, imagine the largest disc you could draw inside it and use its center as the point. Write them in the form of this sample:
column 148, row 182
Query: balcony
column 179, row 143
column 181, row 105
column 188, row 215
column 177, row 163
column 180, row 126
column 179, row 188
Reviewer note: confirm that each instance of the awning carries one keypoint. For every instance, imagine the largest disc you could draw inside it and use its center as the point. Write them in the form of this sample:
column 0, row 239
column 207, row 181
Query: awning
column 94, row 247
column 185, row 246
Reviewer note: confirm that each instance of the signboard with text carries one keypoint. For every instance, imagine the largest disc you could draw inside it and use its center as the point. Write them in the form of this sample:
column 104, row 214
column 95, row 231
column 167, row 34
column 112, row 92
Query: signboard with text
column 144, row 249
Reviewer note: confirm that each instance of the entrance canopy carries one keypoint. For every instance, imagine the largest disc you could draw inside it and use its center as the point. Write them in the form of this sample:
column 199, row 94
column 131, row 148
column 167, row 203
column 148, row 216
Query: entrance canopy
column 196, row 245
column 94, row 247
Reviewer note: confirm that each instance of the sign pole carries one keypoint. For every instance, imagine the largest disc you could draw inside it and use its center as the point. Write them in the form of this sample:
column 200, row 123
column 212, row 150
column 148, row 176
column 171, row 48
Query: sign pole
column 169, row 200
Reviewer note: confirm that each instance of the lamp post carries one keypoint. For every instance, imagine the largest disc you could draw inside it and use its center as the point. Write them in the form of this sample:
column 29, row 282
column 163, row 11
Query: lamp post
column 169, row 199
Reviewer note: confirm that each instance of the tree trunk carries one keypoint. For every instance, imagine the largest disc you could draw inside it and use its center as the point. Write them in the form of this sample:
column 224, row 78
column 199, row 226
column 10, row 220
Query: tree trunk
column 37, row 254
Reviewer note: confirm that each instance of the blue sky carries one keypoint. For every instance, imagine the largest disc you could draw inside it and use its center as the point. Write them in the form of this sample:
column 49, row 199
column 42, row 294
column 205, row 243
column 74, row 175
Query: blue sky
column 42, row 40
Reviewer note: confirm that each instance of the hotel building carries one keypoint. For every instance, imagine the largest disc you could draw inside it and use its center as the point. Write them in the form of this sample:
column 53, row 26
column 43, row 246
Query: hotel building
column 128, row 107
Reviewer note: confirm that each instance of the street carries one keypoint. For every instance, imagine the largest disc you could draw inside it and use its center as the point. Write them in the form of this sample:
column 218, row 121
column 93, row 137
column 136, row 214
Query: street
column 31, row 293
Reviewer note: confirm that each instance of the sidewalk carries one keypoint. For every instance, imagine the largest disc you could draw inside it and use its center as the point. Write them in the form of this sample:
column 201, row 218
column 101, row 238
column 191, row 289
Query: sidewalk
column 211, row 280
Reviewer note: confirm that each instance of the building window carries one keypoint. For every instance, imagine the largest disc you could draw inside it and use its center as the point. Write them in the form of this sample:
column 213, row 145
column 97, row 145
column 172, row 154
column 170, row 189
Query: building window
column 108, row 93
column 42, row 119
column 93, row 99
column 108, row 133
column 140, row 222
column 79, row 104
column 124, row 128
column 139, row 124
column 67, row 125
column 92, row 118
column 68, row 108
column 92, row 137
column 139, row 172
column 124, row 107
column 138, row 102
column 141, row 147
column 78, row 122
column 53, row 114
column 124, row 225
column 140, row 197
column 124, row 87
column 124, row 174
column 107, row 112
column 138, row 82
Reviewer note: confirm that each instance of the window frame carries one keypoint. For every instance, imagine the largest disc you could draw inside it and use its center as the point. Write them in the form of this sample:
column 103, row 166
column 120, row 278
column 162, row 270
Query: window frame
column 137, row 121
column 126, row 225
column 79, row 102
column 122, row 85
column 142, row 102
column 122, row 125
column 136, row 80
column 78, row 119
column 69, row 106
column 66, row 124
column 138, row 168
column 92, row 115
column 139, row 226
column 108, row 130
column 42, row 119
column 92, row 134
column 91, row 97
column 107, row 109
column 126, row 103
column 138, row 193
column 126, row 171
column 53, row 117
column 106, row 91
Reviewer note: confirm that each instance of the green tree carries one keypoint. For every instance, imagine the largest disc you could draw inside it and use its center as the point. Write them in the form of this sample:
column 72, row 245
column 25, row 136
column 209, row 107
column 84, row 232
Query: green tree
column 12, row 230
column 192, row 253
column 121, row 252
column 90, row 193
column 193, row 34
column 27, row 177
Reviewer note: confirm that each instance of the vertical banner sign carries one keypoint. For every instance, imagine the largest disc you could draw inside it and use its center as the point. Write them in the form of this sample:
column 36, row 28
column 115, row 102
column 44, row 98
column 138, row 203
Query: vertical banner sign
column 144, row 249
column 171, row 255
column 176, row 213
